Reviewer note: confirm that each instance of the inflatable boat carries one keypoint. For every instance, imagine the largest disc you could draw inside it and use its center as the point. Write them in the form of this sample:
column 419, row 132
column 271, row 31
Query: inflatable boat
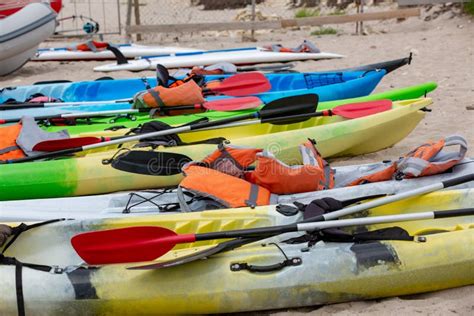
column 10, row 7
column 20, row 34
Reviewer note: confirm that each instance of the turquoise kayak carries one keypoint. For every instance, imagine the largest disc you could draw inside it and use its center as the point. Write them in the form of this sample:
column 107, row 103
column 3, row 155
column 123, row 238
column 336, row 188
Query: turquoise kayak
column 110, row 89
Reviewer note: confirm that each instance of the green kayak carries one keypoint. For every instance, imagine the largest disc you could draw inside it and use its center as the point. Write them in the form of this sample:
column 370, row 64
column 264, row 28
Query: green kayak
column 99, row 125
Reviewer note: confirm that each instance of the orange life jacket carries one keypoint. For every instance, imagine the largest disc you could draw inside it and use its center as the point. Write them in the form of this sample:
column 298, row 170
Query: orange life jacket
column 8, row 147
column 228, row 190
column 188, row 93
column 427, row 159
column 90, row 46
column 202, row 71
column 280, row 178
column 231, row 160
column 179, row 82
column 222, row 176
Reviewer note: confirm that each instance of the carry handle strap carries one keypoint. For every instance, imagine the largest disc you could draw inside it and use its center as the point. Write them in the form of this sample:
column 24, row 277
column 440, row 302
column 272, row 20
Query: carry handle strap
column 296, row 261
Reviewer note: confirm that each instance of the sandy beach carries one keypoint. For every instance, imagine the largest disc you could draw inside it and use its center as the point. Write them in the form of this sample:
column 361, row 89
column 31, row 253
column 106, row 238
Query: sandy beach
column 443, row 51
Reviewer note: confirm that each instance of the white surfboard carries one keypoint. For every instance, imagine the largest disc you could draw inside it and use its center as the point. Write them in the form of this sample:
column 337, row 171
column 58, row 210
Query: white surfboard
column 128, row 50
column 239, row 56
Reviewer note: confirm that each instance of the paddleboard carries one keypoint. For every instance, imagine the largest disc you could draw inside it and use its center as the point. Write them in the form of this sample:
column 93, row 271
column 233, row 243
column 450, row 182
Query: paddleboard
column 128, row 50
column 239, row 56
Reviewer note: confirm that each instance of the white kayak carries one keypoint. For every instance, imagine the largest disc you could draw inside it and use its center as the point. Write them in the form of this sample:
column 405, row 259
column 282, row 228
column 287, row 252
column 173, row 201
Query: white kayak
column 128, row 50
column 238, row 56
column 126, row 204
column 21, row 33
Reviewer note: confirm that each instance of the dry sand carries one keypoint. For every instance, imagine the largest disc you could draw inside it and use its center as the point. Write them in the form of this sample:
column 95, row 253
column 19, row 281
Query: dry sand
column 443, row 52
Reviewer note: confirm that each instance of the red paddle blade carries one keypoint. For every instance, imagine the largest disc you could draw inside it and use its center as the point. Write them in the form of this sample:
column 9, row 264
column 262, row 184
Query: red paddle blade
column 68, row 143
column 233, row 104
column 356, row 110
column 244, row 84
column 124, row 245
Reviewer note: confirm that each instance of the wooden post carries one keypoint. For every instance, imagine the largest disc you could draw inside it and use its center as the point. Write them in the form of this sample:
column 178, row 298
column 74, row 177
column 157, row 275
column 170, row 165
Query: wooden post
column 137, row 17
column 252, row 32
column 357, row 11
column 128, row 19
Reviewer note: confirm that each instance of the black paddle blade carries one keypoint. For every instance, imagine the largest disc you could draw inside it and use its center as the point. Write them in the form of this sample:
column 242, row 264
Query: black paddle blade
column 150, row 162
column 162, row 75
column 276, row 111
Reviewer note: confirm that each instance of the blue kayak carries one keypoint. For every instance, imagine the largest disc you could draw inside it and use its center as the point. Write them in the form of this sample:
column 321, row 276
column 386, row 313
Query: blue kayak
column 102, row 90
column 343, row 86
column 331, row 85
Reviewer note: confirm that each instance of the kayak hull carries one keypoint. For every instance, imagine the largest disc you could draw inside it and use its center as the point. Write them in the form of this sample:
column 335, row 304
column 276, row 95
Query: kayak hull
column 349, row 85
column 99, row 126
column 327, row 272
column 139, row 203
column 335, row 137
column 110, row 89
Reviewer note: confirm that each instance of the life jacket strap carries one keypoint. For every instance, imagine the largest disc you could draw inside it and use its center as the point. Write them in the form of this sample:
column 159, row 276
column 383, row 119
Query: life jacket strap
column 91, row 45
column 8, row 149
column 156, row 96
column 253, row 196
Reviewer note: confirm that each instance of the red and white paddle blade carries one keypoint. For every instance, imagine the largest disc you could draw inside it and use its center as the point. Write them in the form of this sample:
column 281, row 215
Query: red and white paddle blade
column 233, row 104
column 361, row 109
column 244, row 84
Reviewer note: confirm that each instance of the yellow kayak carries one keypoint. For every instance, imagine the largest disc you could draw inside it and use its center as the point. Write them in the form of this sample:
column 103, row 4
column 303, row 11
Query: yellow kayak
column 440, row 257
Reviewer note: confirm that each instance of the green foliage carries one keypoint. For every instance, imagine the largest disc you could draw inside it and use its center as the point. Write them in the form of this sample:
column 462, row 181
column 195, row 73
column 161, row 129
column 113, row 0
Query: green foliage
column 469, row 7
column 324, row 31
column 305, row 12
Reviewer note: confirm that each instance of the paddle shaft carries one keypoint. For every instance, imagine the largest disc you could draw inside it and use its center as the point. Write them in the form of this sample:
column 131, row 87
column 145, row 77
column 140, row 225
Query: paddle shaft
column 127, row 139
column 297, row 118
column 327, row 224
column 269, row 111
column 275, row 68
column 78, row 115
column 31, row 105
column 269, row 231
column 199, row 106
column 61, row 104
